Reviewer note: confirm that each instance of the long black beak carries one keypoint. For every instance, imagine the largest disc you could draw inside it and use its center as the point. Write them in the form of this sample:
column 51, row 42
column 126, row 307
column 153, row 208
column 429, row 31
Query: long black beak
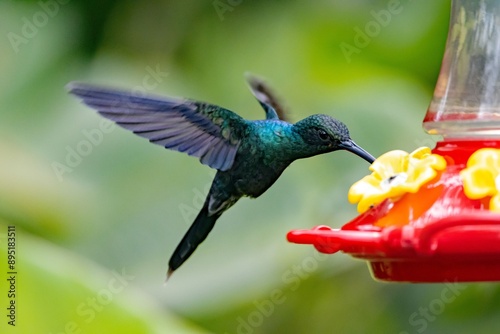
column 358, row 150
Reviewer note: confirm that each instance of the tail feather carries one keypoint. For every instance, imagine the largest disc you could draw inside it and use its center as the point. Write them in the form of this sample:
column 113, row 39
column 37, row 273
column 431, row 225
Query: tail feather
column 198, row 231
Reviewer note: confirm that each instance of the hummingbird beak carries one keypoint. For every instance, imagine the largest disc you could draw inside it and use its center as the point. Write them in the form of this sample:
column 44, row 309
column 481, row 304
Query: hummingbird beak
column 351, row 146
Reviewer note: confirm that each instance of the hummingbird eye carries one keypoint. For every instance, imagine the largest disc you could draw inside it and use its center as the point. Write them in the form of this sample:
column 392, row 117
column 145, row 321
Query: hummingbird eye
column 323, row 135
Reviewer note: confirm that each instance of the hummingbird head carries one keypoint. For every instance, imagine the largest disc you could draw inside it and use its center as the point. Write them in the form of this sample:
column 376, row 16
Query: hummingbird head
column 322, row 134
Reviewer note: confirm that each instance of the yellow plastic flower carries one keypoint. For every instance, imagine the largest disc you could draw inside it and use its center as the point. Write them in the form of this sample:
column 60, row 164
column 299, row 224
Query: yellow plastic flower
column 481, row 177
column 394, row 174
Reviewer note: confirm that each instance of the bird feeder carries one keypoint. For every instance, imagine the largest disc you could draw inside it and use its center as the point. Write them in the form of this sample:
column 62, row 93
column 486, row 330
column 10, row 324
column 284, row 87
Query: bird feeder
column 434, row 215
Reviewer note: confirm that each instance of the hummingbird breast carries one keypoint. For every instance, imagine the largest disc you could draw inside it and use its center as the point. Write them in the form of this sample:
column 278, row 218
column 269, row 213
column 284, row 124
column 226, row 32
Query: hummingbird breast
column 252, row 174
column 263, row 155
column 251, row 180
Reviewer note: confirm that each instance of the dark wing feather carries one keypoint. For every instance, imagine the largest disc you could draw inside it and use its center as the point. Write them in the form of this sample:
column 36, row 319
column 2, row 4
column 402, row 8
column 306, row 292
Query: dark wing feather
column 202, row 130
column 267, row 99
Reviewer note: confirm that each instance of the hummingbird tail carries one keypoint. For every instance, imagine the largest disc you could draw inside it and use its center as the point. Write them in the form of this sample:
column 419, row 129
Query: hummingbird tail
column 198, row 231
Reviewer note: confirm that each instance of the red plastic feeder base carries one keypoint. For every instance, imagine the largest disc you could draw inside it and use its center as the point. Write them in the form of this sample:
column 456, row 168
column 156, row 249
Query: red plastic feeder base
column 436, row 271
column 448, row 238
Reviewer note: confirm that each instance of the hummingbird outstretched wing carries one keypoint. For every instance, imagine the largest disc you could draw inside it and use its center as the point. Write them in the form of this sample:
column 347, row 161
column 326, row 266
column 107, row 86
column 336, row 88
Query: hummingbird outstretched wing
column 266, row 97
column 206, row 131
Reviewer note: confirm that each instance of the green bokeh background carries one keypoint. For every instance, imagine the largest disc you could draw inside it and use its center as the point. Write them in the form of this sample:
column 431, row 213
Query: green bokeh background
column 124, row 205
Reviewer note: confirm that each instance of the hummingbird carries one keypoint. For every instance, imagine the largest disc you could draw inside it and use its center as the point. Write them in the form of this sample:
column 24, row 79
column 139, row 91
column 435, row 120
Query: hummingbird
column 249, row 155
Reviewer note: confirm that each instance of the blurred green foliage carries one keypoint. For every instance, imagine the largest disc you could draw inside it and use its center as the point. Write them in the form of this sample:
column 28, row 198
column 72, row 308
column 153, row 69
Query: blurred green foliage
column 123, row 205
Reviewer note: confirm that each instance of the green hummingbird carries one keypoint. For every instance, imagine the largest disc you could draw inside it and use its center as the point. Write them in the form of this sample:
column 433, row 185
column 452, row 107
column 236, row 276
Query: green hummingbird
column 249, row 155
